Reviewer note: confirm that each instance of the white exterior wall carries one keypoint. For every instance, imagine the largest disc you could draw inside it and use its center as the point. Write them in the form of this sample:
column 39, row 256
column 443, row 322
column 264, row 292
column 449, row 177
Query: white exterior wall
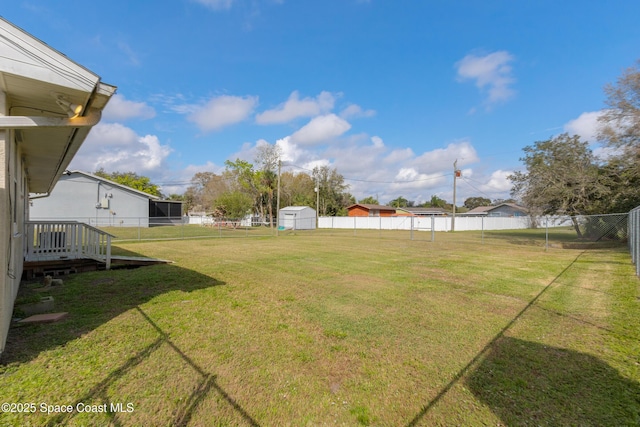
column 13, row 211
column 75, row 197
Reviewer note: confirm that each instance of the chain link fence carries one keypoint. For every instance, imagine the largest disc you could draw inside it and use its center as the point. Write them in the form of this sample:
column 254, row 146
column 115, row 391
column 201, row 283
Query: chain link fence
column 548, row 231
column 634, row 237
column 593, row 231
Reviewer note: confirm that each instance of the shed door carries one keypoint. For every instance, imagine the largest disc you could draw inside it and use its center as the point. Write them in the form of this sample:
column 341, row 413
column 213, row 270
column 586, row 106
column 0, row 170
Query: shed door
column 289, row 220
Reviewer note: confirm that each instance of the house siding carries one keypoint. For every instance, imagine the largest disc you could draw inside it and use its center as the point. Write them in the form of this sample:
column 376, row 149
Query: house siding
column 78, row 197
column 13, row 206
column 358, row 210
column 506, row 211
column 31, row 71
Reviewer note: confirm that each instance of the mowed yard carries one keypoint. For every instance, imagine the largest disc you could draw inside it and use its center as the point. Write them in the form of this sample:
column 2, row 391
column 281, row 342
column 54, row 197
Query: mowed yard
column 310, row 330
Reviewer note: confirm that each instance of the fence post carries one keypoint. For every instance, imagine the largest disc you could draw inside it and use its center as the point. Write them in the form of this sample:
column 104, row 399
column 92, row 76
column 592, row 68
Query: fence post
column 411, row 228
column 546, row 238
column 108, row 255
column 354, row 226
column 482, row 235
column 433, row 228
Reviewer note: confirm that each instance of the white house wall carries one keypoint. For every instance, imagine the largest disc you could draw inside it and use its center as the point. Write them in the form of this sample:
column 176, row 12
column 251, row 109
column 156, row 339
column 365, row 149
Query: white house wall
column 13, row 207
column 80, row 198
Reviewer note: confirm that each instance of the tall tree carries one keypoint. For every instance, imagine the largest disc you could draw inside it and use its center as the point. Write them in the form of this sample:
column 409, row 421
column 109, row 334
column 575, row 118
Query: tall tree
column 474, row 202
column 132, row 180
column 399, row 202
column 267, row 159
column 561, row 177
column 369, row 200
column 621, row 121
column 334, row 197
column 436, row 202
column 246, row 180
column 621, row 174
column 620, row 129
column 297, row 189
column 233, row 205
column 204, row 189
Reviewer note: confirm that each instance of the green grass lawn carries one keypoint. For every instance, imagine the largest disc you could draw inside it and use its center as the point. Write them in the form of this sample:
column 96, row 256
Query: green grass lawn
column 312, row 329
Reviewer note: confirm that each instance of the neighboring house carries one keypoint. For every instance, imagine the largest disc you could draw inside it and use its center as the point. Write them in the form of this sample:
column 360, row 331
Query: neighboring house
column 420, row 211
column 84, row 197
column 503, row 210
column 48, row 105
column 297, row 218
column 370, row 210
column 477, row 211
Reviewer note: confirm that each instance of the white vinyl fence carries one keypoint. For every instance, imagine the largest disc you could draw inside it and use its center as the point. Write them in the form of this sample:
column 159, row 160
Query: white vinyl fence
column 430, row 223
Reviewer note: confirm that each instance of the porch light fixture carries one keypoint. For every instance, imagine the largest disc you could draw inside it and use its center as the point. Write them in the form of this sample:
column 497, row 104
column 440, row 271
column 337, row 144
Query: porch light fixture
column 72, row 110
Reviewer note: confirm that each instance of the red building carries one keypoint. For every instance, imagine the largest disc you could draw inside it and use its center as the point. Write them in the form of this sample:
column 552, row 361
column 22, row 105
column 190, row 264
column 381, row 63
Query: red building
column 370, row 210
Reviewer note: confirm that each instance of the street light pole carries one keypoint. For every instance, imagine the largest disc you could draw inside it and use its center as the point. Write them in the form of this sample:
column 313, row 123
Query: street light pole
column 317, row 202
column 278, row 200
column 455, row 177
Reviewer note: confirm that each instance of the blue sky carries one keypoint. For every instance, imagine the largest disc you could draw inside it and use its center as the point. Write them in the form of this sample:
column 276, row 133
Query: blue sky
column 389, row 92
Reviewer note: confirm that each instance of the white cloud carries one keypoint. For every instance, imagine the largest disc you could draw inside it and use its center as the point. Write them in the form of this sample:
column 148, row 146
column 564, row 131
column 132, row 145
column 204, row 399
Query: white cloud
column 498, row 182
column 377, row 141
column 492, row 74
column 321, row 129
column 222, row 111
column 310, row 165
column 189, row 171
column 585, row 126
column 399, row 155
column 121, row 109
column 414, row 180
column 216, row 4
column 115, row 147
column 290, row 152
column 442, row 159
column 295, row 107
column 355, row 111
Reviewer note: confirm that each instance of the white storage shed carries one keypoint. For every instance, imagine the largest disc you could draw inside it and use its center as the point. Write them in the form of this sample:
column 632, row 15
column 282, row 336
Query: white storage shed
column 297, row 218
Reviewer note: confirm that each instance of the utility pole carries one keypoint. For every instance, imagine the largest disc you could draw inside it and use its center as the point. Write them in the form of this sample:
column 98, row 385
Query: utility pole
column 278, row 200
column 317, row 202
column 456, row 174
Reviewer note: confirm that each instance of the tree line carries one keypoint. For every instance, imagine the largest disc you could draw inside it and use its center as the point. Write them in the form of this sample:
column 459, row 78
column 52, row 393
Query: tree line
column 245, row 187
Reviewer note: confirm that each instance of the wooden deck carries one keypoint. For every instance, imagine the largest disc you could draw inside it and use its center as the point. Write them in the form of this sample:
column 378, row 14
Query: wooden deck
column 58, row 267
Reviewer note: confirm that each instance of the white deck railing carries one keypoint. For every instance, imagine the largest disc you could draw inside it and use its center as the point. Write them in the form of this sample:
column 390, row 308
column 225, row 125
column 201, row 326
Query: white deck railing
column 49, row 240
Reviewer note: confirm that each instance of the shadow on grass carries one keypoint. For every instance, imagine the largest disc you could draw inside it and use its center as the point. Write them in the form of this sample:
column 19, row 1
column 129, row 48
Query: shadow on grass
column 94, row 298
column 184, row 413
column 527, row 383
